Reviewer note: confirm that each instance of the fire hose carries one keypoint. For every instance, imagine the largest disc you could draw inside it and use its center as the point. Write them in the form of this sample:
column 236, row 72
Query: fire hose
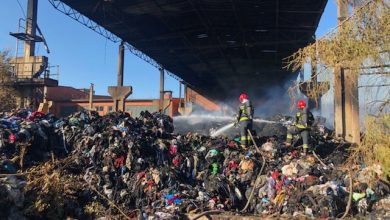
column 258, row 175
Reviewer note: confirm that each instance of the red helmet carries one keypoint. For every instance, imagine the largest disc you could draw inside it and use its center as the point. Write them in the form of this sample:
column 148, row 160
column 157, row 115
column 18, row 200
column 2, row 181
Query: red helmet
column 301, row 104
column 12, row 138
column 243, row 96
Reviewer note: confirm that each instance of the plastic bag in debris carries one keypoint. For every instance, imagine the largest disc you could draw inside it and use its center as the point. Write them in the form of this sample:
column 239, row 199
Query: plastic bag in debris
column 163, row 215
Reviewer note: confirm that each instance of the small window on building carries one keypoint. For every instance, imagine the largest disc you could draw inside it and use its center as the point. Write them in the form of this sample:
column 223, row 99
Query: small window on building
column 110, row 108
column 99, row 108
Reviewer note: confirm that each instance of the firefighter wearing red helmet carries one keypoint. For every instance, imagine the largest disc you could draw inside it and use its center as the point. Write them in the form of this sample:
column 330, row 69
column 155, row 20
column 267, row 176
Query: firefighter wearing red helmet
column 301, row 126
column 245, row 119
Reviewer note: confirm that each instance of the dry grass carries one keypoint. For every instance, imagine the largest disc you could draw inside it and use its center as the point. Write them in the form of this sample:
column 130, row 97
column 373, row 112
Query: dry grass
column 375, row 146
column 7, row 93
column 361, row 40
column 52, row 192
column 95, row 208
column 49, row 191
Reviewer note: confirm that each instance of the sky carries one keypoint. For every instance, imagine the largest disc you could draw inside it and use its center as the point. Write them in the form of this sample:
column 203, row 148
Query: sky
column 85, row 57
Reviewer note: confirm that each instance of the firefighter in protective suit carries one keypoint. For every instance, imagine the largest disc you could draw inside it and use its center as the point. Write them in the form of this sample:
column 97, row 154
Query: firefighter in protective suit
column 301, row 126
column 245, row 119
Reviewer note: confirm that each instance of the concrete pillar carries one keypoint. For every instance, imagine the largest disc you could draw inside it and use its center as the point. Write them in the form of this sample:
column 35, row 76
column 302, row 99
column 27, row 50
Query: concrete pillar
column 180, row 94
column 313, row 104
column 342, row 10
column 91, row 97
column 188, row 100
column 346, row 94
column 185, row 95
column 352, row 122
column 29, row 94
column 121, row 58
column 180, row 90
column 309, row 87
column 31, row 24
column 119, row 93
column 26, row 98
column 45, row 94
column 21, row 100
column 338, row 79
column 162, row 78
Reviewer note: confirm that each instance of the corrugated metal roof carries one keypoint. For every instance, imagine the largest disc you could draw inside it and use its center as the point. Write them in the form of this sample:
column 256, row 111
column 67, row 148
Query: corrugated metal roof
column 218, row 46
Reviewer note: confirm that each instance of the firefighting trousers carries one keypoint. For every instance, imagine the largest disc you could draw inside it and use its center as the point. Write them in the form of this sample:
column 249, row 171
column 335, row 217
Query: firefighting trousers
column 244, row 126
column 303, row 133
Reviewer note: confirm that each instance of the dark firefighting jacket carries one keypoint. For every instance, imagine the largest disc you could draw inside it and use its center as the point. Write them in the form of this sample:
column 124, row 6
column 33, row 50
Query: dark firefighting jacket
column 303, row 119
column 245, row 111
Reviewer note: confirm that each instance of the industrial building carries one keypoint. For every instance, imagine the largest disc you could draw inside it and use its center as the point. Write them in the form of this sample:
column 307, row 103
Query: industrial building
column 67, row 100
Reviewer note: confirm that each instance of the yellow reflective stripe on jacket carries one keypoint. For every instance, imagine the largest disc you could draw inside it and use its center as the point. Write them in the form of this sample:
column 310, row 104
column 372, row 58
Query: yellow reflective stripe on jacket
column 244, row 118
column 299, row 121
column 244, row 138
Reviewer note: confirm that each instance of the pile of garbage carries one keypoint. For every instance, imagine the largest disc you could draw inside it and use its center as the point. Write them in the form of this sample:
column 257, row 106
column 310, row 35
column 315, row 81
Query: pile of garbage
column 87, row 166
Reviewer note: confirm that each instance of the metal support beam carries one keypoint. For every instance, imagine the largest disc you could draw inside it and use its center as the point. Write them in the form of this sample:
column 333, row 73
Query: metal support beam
column 162, row 78
column 31, row 26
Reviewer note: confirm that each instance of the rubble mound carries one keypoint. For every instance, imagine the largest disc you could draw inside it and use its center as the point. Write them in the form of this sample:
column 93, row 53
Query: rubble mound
column 90, row 167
